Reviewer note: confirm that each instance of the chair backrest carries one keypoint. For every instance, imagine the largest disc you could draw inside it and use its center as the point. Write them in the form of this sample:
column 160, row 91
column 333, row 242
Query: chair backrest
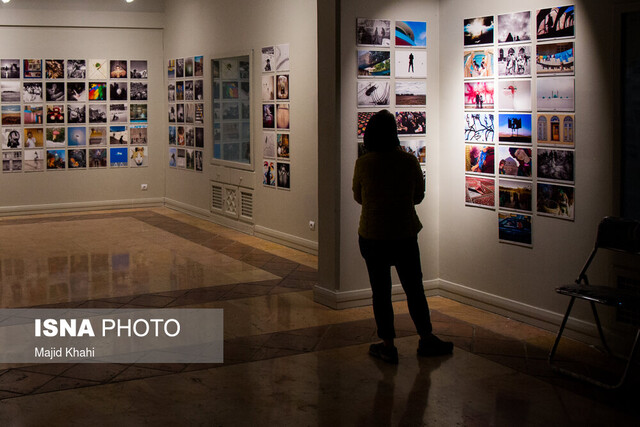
column 619, row 234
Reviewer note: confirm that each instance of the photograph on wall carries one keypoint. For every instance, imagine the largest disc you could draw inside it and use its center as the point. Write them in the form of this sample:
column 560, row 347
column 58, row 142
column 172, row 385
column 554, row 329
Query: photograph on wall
column 138, row 156
column 118, row 91
column 181, row 162
column 284, row 175
column 411, row 63
column 363, row 120
column 281, row 56
column 415, row 147
column 282, row 86
column 480, row 159
column 12, row 161
column 555, row 94
column 180, row 136
column 243, row 92
column 480, row 192
column 138, row 113
column 373, row 93
column 269, row 173
column 32, row 68
column 229, row 69
column 97, row 157
column 555, row 22
column 97, row 69
column 138, row 134
column 33, row 160
column 76, row 91
column 97, row 135
column 97, row 113
column 373, row 32
column 555, row 59
column 199, row 160
column 269, row 145
column 33, row 114
column 556, row 129
column 514, row 95
column 374, row 63
column 173, row 154
column 55, row 114
column 77, row 159
column 56, row 137
column 556, row 165
column 118, row 157
column 282, row 116
column 172, row 135
column 267, row 88
column 515, row 161
column 56, row 159
column 514, row 128
column 11, row 115
column 514, row 27
column 76, row 113
column 229, row 90
column 118, row 135
column 10, row 68
column 198, row 66
column 556, row 201
column 190, row 112
column 33, row 137
column 181, row 67
column 231, row 111
column 268, row 116
column 77, row 136
column 32, row 92
column 138, row 69
column 54, row 68
column 118, row 69
column 180, row 91
column 198, row 90
column 411, row 33
column 514, row 228
column 411, row 122
column 76, row 69
column 478, row 63
column 268, row 54
column 171, row 69
column 514, row 61
column 479, row 127
column 54, row 92
column 188, row 91
column 478, row 31
column 231, row 131
column 411, row 92
column 180, row 113
column 119, row 113
column 283, row 146
column 97, row 91
column 10, row 91
column 515, row 194
column 199, row 113
column 199, row 131
column 479, row 95
column 11, row 138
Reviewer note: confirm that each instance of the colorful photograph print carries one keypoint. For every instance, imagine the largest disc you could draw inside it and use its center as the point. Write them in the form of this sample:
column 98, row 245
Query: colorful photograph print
column 555, row 59
column 284, row 175
column 515, row 162
column 77, row 159
column 480, row 191
column 556, row 94
column 373, row 93
column 480, row 159
column 229, row 90
column 267, row 88
column 415, row 147
column 32, row 68
column 55, row 114
column 32, row 92
column 478, row 31
column 138, row 113
column 282, row 116
column 138, row 69
column 515, row 128
column 555, row 22
column 98, row 69
column 283, row 146
column 11, row 138
column 479, row 127
column 363, row 120
column 514, row 61
column 118, row 69
column 138, row 134
column 514, row 228
column 56, row 137
column 282, row 86
column 479, row 95
column 118, row 157
column 411, row 33
column 98, row 135
column 556, row 129
column 269, row 173
column 514, row 27
column 556, row 165
column 374, row 63
column 76, row 69
column 97, row 158
column 33, row 114
column 54, row 68
column 515, row 194
column 411, row 122
column 268, row 116
column 77, row 136
column 556, row 200
column 97, row 91
column 173, row 154
column 373, row 32
column 118, row 135
column 411, row 64
column 11, row 115
column 171, row 69
column 514, row 95
column 198, row 66
column 33, row 160
column 56, row 159
column 138, row 156
column 411, row 92
column 10, row 91
column 33, row 138
column 478, row 63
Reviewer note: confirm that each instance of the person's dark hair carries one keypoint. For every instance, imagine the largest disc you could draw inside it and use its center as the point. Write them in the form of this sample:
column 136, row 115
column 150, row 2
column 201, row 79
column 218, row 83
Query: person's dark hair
column 381, row 133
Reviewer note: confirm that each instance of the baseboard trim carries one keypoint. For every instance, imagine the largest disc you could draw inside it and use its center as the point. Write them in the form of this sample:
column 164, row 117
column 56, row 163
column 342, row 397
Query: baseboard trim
column 209, row 216
column 81, row 206
column 285, row 239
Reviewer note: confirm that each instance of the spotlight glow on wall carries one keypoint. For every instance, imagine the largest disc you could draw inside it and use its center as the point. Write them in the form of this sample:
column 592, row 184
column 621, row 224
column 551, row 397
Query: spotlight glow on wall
column 7, row 1
column 128, row 1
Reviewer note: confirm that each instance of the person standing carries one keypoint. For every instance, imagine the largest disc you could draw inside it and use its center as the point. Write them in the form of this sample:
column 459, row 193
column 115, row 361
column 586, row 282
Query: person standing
column 388, row 183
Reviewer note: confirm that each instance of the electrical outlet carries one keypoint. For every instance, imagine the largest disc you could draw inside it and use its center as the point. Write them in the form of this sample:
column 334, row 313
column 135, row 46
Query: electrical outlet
column 312, row 225
column 144, row 187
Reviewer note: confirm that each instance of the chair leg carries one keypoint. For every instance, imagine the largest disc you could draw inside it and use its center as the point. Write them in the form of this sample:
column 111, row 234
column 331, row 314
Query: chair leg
column 595, row 315
column 562, row 326
column 629, row 361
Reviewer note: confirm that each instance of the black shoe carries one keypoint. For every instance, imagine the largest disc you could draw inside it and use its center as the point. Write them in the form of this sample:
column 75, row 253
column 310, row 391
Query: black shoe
column 434, row 346
column 385, row 353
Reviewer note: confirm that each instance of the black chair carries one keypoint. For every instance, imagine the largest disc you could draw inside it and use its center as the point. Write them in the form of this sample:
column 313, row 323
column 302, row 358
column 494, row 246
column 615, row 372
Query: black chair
column 616, row 234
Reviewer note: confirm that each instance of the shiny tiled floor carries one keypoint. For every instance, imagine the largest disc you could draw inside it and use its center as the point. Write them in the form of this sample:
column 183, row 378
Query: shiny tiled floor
column 288, row 361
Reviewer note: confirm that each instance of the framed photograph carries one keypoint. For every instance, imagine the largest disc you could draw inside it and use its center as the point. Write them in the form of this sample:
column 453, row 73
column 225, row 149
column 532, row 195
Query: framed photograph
column 281, row 56
column 411, row 92
column 478, row 63
column 76, row 69
column 373, row 32
column 515, row 162
column 55, row 114
column 411, row 34
column 374, row 63
column 556, row 165
column 56, row 159
column 11, row 115
column 282, row 87
column 283, row 146
column 33, row 138
column 97, row 91
column 556, row 201
column 118, row 157
column 514, row 27
column 514, row 61
column 478, row 31
column 32, row 92
column 514, row 228
column 98, row 69
column 97, row 113
column 10, row 68
column 363, row 120
column 284, row 175
column 556, row 129
column 56, row 137
column 76, row 113
column 138, row 156
column 556, row 94
column 411, row 122
column 76, row 91
column 555, row 22
column 118, row 69
column 118, row 91
column 54, row 92
column 268, row 116
column 268, row 55
column 198, row 66
column 555, row 59
column 269, row 173
column 417, row 147
column 480, row 192
column 479, row 95
column 11, row 138
column 119, row 113
column 32, row 68
column 267, row 87
column 282, row 116
column 479, row 127
column 373, row 93
column 10, row 91
column 480, row 159
column 97, row 135
column 138, row 91
column 97, row 157
column 77, row 159
column 514, row 128
column 138, row 69
column 171, row 69
column 54, row 68
column 33, row 160
column 515, row 194
column 118, row 135
column 514, row 95
column 138, row 134
column 33, row 114
column 411, row 63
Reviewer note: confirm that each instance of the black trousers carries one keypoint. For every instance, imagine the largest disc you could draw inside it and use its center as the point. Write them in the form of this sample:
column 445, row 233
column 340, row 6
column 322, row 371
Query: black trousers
column 404, row 254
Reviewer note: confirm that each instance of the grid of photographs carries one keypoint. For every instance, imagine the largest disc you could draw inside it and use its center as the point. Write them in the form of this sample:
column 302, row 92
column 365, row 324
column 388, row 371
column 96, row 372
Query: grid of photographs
column 63, row 114
column 520, row 117
column 185, row 93
column 276, row 126
column 392, row 75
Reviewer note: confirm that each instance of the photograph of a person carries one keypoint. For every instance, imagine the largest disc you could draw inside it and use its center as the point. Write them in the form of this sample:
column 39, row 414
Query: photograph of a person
column 284, row 175
column 56, row 137
column 76, row 113
column 555, row 22
column 180, row 136
column 33, row 114
column 555, row 59
column 480, row 191
column 97, row 69
column 33, row 138
column 479, row 127
column 267, row 87
column 138, row 91
column 480, row 159
column 56, row 159
column 76, row 91
column 268, row 116
column 268, row 63
column 411, row 33
column 11, row 115
column 282, row 116
column 478, row 63
column 363, row 119
column 97, row 113
column 373, row 32
column 97, row 91
column 478, row 31
column 282, row 86
column 514, row 61
column 11, row 138
column 198, row 90
column 514, row 27
column 555, row 94
column 556, row 129
column 32, row 68
column 556, row 165
column 138, row 69
column 514, row 228
column 514, row 128
column 515, row 194
column 269, row 173
column 138, row 156
column 118, row 69
column 374, row 63
column 138, row 113
column 97, row 135
column 54, row 68
column 119, row 113
column 33, row 160
column 118, row 91
column 479, row 95
column 514, row 95
column 556, row 201
column 98, row 157
column 411, row 92
column 515, row 161
column 411, row 63
column 373, row 93
column 198, row 66
column 411, row 122
column 138, row 134
column 76, row 69
column 118, row 157
column 32, row 92
column 415, row 147
column 77, row 159
column 10, row 68
column 77, row 136
column 55, row 114
column 10, row 91
column 54, row 91
column 118, row 135
column 283, row 146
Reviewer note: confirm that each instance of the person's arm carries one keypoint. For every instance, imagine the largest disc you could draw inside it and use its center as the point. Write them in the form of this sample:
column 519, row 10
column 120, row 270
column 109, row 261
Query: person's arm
column 357, row 185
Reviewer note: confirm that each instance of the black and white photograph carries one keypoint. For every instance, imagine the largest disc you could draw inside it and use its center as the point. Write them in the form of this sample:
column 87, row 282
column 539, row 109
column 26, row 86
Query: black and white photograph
column 76, row 69
column 32, row 92
column 180, row 113
column 283, row 172
column 281, row 56
column 97, row 113
column 188, row 67
column 54, row 91
column 556, row 165
column 373, row 93
column 267, row 59
column 514, row 61
column 514, row 27
column 76, row 113
column 12, row 161
column 199, row 113
column 199, row 137
column 269, row 145
column 10, row 68
column 171, row 92
column 138, row 91
column 198, row 160
column 373, row 32
column 189, row 113
column 188, row 90
column 33, row 160
column 76, row 91
column 179, row 68
column 11, row 138
column 119, row 113
column 10, row 91
column 54, row 68
column 198, row 90
column 138, row 69
column 118, row 91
